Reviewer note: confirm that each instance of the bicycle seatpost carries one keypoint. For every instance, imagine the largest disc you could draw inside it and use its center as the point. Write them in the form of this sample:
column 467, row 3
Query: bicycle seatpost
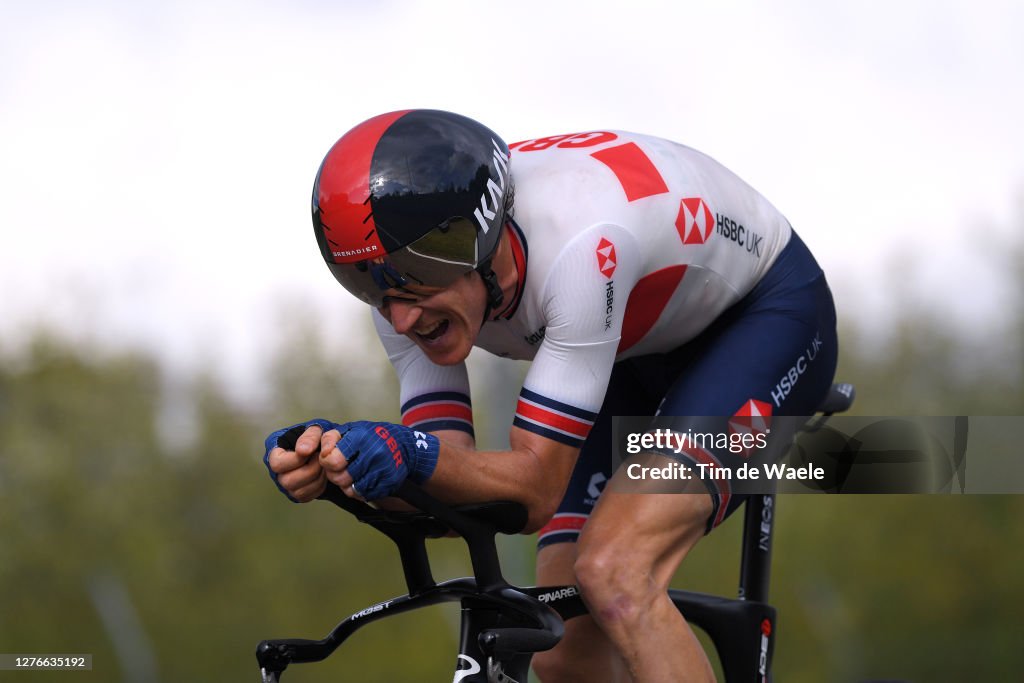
column 756, row 554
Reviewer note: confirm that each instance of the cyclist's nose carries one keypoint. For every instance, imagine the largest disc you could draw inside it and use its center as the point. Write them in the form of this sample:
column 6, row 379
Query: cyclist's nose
column 403, row 315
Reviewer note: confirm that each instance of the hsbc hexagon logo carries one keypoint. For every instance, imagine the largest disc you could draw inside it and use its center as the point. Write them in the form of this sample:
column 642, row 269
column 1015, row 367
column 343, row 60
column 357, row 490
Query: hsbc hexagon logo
column 606, row 259
column 695, row 221
column 754, row 418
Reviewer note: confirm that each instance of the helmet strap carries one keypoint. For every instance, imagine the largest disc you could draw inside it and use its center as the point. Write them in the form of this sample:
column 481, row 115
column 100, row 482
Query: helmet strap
column 494, row 293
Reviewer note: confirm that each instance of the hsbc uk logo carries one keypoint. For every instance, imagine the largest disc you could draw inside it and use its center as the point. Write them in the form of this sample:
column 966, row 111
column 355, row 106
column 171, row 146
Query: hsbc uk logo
column 606, row 264
column 694, row 221
column 744, row 237
column 788, row 382
column 606, row 260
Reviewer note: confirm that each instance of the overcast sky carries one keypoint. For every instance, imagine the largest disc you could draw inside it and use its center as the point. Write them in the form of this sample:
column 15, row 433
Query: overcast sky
column 156, row 159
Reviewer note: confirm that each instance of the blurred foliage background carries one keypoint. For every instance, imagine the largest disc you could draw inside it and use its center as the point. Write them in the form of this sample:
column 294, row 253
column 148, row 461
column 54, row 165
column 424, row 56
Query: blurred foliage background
column 137, row 522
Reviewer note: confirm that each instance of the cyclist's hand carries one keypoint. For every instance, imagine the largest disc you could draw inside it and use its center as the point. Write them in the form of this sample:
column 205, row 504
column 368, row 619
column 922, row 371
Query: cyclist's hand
column 292, row 464
column 371, row 459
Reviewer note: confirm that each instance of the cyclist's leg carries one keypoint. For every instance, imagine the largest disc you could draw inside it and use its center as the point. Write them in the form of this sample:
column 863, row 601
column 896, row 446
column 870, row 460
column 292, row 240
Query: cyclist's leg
column 624, row 568
column 634, row 542
column 585, row 653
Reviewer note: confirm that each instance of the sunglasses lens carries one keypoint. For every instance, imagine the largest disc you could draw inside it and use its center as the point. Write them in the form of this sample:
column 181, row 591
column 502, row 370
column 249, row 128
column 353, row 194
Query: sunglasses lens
column 435, row 260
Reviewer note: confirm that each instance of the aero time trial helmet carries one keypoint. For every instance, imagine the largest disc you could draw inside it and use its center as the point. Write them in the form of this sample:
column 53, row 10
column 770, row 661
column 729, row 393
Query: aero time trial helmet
column 415, row 197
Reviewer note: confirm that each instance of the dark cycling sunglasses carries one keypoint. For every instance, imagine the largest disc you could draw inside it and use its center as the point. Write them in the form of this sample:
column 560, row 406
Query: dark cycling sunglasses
column 437, row 259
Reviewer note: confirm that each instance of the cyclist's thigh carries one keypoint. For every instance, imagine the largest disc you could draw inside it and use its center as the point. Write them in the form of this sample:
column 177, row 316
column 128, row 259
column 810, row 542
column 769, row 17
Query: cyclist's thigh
column 773, row 354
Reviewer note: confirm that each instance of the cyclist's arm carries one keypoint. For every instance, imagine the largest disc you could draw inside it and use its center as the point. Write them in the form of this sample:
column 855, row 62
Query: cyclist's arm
column 534, row 472
column 455, row 438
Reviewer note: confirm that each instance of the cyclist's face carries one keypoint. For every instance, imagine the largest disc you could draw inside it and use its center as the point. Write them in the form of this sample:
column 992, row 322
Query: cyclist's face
column 442, row 322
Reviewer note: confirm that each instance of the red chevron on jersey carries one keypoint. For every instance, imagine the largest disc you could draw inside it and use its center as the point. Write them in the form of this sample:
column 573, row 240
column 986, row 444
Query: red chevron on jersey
column 637, row 175
column 606, row 258
column 694, row 221
column 646, row 302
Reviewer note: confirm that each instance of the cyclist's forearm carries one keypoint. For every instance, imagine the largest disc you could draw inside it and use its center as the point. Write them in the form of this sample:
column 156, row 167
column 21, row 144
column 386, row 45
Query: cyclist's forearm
column 535, row 479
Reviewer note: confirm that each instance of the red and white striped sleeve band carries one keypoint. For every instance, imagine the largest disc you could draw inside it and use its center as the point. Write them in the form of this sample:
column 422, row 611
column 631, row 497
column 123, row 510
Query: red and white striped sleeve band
column 439, row 410
column 549, row 418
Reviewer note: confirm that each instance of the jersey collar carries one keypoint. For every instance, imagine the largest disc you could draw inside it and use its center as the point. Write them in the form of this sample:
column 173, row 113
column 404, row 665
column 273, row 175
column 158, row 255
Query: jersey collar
column 520, row 256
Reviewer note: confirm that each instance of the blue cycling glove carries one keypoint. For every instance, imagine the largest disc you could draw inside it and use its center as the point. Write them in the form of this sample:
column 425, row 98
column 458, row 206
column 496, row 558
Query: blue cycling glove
column 382, row 454
column 286, row 438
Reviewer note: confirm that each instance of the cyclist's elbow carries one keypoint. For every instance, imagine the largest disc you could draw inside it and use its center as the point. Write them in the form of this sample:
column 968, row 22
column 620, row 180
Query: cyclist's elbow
column 544, row 470
column 540, row 510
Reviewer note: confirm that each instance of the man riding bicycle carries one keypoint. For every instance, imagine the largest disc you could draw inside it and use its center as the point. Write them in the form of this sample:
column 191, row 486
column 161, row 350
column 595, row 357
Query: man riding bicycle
column 639, row 277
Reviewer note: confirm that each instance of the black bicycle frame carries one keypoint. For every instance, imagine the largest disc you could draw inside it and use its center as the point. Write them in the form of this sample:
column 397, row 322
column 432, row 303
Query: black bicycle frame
column 501, row 626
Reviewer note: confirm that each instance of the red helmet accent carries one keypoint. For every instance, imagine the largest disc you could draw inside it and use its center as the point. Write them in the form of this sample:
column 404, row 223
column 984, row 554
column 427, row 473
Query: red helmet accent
column 342, row 192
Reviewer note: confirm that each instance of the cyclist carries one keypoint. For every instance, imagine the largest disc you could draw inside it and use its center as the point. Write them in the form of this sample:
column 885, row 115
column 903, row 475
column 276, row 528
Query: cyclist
column 637, row 275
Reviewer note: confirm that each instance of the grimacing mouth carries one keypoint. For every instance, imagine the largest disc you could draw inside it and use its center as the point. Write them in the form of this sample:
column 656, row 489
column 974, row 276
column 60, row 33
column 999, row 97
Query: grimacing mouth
column 433, row 332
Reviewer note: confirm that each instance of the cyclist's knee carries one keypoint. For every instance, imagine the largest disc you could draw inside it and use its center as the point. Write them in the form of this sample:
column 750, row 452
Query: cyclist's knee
column 621, row 575
column 615, row 584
